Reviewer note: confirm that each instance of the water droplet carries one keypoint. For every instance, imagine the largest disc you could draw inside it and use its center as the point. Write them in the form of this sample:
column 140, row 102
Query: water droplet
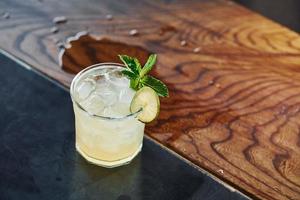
column 54, row 29
column 60, row 45
column 108, row 17
column 183, row 43
column 197, row 50
column 59, row 19
column 218, row 85
column 133, row 32
column 6, row 15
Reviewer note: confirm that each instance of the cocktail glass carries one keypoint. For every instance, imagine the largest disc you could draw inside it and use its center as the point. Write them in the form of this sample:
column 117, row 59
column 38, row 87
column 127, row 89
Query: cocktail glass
column 107, row 134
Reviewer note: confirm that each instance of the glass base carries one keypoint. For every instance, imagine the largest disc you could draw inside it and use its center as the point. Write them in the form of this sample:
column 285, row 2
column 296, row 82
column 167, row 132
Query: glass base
column 108, row 164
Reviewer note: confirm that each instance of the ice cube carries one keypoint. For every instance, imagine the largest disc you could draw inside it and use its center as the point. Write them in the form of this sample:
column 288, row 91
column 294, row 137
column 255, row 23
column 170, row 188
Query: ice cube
column 116, row 73
column 94, row 104
column 120, row 82
column 105, row 90
column 126, row 95
column 101, row 82
column 85, row 88
column 118, row 79
column 108, row 95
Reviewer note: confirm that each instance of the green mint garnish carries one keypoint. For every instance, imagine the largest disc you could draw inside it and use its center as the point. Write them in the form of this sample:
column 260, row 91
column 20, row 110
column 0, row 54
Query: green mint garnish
column 139, row 77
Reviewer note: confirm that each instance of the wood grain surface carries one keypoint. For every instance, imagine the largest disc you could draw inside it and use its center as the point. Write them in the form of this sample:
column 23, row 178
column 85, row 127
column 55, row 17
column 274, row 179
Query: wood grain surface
column 234, row 103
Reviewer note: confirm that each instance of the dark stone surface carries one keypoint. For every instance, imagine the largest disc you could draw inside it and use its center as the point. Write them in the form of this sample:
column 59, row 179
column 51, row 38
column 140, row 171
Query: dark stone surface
column 285, row 12
column 38, row 158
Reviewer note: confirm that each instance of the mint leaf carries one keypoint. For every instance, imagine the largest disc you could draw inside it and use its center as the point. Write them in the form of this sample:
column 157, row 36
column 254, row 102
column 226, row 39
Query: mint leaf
column 134, row 79
column 137, row 63
column 129, row 74
column 131, row 63
column 160, row 88
column 148, row 66
column 138, row 75
column 134, row 83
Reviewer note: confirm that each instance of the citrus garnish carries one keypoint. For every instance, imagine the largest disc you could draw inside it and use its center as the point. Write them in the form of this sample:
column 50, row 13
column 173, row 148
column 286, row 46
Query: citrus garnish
column 147, row 100
column 148, row 88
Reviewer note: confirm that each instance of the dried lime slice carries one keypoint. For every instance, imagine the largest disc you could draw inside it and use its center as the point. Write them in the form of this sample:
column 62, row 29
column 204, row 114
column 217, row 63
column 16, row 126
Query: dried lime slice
column 147, row 100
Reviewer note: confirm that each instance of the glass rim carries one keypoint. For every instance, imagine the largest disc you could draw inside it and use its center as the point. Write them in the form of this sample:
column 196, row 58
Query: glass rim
column 86, row 70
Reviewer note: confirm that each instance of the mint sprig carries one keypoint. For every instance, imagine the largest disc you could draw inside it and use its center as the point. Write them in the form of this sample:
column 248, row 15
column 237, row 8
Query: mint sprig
column 139, row 77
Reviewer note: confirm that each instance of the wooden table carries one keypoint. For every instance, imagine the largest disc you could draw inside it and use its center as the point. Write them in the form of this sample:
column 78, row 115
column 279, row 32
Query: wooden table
column 234, row 87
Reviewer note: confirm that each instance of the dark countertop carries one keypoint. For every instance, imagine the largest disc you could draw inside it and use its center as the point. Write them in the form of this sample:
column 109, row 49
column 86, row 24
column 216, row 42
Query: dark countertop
column 38, row 158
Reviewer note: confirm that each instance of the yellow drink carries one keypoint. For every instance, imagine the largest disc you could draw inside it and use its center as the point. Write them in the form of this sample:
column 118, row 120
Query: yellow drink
column 107, row 134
